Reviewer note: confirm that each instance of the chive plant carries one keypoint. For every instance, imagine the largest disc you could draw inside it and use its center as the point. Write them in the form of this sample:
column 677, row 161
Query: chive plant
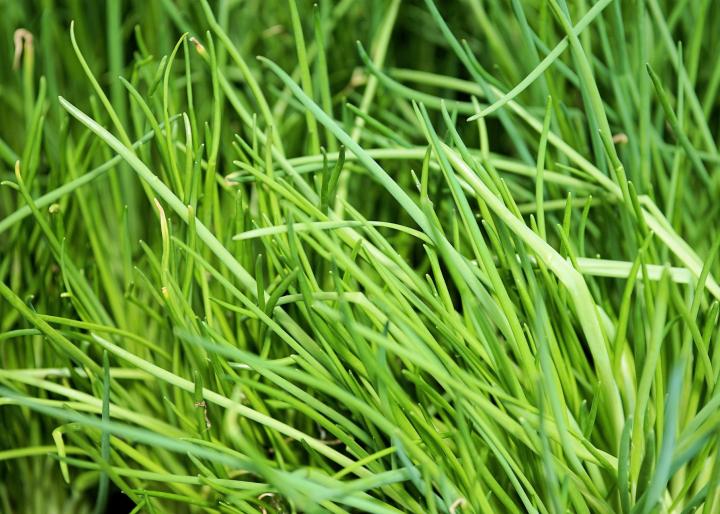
column 428, row 257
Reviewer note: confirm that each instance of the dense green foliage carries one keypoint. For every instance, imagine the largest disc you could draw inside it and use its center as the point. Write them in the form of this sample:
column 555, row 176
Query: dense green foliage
column 420, row 257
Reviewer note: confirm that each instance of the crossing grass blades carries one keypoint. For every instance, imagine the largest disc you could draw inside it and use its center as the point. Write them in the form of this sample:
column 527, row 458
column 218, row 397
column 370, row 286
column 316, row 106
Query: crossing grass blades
column 428, row 257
